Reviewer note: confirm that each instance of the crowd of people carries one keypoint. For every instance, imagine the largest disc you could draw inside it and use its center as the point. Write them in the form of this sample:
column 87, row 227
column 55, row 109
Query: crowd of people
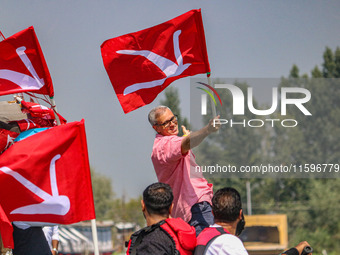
column 166, row 235
column 182, row 213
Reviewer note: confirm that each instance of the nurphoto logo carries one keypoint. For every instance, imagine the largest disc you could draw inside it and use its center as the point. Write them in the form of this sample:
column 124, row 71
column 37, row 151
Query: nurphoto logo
column 242, row 100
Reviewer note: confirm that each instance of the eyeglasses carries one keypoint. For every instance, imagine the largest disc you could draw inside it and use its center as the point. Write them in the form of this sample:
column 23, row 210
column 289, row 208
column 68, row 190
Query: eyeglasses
column 167, row 123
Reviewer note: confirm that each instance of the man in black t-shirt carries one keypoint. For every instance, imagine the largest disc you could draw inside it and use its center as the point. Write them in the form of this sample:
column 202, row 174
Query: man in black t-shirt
column 162, row 235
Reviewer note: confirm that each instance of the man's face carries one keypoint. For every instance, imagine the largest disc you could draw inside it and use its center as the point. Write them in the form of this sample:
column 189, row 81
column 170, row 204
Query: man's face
column 165, row 126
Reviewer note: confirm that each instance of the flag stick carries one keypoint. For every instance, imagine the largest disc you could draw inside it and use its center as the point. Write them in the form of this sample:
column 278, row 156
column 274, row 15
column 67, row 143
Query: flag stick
column 2, row 36
column 213, row 108
column 54, row 107
column 95, row 237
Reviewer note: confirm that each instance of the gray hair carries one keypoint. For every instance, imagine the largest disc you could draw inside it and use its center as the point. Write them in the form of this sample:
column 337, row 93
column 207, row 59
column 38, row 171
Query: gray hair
column 155, row 113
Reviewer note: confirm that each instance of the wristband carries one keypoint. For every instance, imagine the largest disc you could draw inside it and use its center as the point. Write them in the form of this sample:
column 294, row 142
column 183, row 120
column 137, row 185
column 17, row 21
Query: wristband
column 55, row 249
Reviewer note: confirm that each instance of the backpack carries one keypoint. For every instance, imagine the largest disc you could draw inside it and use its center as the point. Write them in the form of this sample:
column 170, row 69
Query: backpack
column 181, row 234
column 206, row 237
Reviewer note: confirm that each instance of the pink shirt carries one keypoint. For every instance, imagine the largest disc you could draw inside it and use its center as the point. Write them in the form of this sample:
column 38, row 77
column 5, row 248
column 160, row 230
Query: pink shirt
column 189, row 186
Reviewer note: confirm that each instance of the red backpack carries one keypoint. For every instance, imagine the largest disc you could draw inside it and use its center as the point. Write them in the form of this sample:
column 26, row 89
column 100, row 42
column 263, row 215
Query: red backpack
column 182, row 233
column 206, row 237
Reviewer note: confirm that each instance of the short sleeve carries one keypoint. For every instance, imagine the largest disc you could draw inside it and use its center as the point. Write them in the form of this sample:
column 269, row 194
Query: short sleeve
column 168, row 149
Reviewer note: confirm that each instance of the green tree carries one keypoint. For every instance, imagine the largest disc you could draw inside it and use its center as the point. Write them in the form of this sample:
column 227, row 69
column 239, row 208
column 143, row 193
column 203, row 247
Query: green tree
column 308, row 202
column 329, row 65
column 294, row 72
column 312, row 205
column 337, row 63
column 107, row 206
column 316, row 73
column 103, row 195
column 128, row 211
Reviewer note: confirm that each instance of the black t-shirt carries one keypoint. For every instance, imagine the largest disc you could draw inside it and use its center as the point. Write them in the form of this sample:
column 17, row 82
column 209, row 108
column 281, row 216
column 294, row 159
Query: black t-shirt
column 154, row 241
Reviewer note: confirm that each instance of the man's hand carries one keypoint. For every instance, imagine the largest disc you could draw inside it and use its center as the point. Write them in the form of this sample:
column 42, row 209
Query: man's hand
column 193, row 139
column 214, row 124
column 186, row 132
column 301, row 246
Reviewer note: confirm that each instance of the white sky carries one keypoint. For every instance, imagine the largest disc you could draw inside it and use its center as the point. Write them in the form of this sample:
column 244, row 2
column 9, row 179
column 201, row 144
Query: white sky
column 255, row 39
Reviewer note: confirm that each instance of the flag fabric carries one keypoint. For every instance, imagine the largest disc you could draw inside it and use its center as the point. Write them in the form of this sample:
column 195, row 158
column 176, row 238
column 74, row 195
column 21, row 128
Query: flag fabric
column 142, row 64
column 46, row 177
column 6, row 230
column 23, row 66
column 6, row 139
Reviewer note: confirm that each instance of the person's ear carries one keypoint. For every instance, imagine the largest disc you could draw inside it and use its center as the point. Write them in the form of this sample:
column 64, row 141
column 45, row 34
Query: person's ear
column 143, row 205
column 156, row 128
column 171, row 207
column 240, row 215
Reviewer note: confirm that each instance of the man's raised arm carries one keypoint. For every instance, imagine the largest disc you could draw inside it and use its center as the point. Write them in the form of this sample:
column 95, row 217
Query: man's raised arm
column 193, row 139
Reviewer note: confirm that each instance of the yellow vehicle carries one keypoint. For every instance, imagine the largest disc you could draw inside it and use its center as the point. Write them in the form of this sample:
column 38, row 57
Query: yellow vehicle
column 265, row 234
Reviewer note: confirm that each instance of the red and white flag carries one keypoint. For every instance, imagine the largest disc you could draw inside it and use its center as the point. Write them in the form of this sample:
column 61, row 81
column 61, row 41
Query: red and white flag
column 23, row 66
column 6, row 230
column 142, row 64
column 46, row 177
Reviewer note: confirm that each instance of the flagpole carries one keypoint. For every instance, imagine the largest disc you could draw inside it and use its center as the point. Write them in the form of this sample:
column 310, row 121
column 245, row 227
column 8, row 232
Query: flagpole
column 2, row 36
column 95, row 236
column 54, row 107
column 213, row 108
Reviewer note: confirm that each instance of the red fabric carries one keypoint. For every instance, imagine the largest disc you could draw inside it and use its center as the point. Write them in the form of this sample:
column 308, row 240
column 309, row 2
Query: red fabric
column 40, row 111
column 126, row 69
column 37, row 110
column 32, row 160
column 27, row 124
column 6, row 139
column 207, row 234
column 39, row 116
column 183, row 234
column 6, row 230
column 21, row 59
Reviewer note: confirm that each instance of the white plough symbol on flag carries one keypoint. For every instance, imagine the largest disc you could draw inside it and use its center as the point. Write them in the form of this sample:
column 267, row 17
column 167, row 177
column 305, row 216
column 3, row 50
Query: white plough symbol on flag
column 52, row 204
column 168, row 67
column 22, row 80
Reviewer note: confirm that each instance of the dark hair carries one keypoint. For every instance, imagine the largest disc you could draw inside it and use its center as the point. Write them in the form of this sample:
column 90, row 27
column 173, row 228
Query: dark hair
column 226, row 205
column 158, row 198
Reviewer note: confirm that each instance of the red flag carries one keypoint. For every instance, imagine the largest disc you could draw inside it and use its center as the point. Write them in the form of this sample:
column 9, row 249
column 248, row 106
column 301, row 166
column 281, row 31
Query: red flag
column 46, row 177
column 6, row 230
column 142, row 64
column 22, row 65
column 6, row 138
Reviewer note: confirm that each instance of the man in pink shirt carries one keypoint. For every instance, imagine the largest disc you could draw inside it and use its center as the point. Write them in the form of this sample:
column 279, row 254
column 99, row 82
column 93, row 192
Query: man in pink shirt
column 175, row 165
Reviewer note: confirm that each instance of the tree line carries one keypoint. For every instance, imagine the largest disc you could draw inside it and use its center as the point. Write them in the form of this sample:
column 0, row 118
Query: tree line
column 312, row 204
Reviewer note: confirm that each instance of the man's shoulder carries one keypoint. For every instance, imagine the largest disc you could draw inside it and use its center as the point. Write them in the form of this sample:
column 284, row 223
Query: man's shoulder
column 152, row 240
column 148, row 229
column 162, row 142
column 178, row 225
column 218, row 239
column 210, row 233
column 167, row 148
column 167, row 137
column 230, row 242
